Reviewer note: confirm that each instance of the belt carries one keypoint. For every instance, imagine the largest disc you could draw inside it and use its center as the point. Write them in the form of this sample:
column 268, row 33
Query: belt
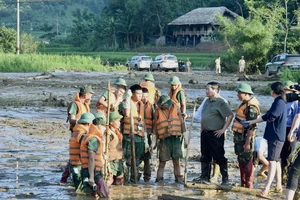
column 207, row 131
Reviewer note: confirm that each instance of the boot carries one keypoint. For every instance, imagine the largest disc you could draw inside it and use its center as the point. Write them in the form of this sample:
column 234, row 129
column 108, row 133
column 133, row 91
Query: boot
column 179, row 179
column 118, row 180
column 216, row 172
column 249, row 173
column 65, row 174
column 205, row 172
column 242, row 174
column 224, row 172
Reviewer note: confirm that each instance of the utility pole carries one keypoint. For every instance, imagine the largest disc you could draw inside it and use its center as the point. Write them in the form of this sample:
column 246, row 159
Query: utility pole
column 56, row 26
column 18, row 28
column 18, row 17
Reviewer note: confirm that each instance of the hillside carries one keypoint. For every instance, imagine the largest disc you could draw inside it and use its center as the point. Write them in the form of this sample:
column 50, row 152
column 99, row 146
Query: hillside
column 56, row 14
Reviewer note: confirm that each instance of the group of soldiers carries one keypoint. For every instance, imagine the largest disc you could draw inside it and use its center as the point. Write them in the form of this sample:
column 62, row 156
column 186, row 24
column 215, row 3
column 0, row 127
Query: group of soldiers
column 111, row 146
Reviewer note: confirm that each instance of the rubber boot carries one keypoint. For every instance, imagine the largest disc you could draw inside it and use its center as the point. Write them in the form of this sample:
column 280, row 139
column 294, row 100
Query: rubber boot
column 205, row 173
column 65, row 174
column 249, row 173
column 224, row 172
column 147, row 170
column 242, row 173
column 179, row 179
column 118, row 180
column 216, row 172
column 101, row 187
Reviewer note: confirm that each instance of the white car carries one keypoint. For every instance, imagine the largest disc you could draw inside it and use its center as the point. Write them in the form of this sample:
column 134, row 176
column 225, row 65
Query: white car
column 164, row 62
column 139, row 63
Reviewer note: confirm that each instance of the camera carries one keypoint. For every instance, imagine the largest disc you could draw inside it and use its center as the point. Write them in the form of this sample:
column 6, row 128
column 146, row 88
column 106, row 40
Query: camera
column 295, row 95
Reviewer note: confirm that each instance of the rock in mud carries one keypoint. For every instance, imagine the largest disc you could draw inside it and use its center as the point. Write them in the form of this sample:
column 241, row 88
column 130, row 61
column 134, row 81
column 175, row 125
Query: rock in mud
column 193, row 81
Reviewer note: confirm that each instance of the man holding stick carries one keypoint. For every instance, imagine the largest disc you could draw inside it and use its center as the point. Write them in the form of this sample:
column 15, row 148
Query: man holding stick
column 134, row 124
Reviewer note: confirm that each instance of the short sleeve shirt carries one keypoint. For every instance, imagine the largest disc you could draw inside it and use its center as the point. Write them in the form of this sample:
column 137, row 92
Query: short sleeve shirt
column 93, row 144
column 72, row 109
column 181, row 96
column 261, row 145
column 214, row 113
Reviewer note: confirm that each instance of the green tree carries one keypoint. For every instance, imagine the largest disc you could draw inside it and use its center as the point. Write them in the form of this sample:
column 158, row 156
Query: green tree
column 8, row 40
column 248, row 38
column 28, row 44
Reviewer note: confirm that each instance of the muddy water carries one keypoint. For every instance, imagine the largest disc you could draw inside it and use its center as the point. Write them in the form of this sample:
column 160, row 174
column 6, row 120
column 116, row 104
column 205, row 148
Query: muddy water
column 34, row 147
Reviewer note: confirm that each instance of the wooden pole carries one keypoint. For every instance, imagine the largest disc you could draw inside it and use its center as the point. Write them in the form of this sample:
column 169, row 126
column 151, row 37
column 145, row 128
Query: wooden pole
column 222, row 187
column 107, row 138
column 133, row 161
column 187, row 149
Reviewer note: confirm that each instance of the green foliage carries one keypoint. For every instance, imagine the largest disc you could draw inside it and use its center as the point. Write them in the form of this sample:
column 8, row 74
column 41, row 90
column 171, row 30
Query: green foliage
column 8, row 40
column 288, row 75
column 42, row 63
column 28, row 43
column 249, row 38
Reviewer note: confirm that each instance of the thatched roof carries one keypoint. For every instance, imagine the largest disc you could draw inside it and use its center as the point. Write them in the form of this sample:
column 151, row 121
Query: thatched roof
column 203, row 16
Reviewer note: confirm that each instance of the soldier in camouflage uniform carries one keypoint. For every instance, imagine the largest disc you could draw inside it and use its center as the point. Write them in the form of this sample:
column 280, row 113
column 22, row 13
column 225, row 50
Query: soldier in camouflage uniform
column 243, row 136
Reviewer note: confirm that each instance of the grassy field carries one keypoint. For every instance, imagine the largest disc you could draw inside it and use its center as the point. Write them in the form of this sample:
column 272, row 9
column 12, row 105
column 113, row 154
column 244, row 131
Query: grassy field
column 47, row 63
column 200, row 61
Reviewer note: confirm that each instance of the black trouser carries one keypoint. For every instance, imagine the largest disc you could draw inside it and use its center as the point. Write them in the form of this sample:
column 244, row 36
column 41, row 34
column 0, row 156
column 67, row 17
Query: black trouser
column 212, row 147
column 286, row 151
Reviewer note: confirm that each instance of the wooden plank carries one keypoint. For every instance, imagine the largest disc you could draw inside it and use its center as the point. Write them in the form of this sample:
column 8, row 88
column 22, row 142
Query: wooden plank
column 173, row 197
column 221, row 187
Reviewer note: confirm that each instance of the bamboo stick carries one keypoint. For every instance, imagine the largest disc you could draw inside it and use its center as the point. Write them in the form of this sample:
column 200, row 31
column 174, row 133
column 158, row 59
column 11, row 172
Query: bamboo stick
column 222, row 187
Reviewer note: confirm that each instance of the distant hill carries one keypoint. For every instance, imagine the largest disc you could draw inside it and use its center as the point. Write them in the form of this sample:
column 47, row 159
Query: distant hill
column 35, row 15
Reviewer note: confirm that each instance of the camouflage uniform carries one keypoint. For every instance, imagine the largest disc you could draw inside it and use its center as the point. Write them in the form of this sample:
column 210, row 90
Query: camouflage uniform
column 248, row 110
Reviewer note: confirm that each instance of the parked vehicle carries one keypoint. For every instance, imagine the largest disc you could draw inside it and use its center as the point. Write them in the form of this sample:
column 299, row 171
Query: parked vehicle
column 281, row 61
column 181, row 66
column 139, row 62
column 164, row 62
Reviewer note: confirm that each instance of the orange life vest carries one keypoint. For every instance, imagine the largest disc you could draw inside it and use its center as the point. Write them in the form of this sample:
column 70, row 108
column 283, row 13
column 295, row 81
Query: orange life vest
column 168, row 125
column 138, row 120
column 241, row 113
column 112, row 100
column 151, row 89
column 149, row 117
column 74, row 143
column 81, row 109
column 115, row 145
column 84, row 153
column 173, row 95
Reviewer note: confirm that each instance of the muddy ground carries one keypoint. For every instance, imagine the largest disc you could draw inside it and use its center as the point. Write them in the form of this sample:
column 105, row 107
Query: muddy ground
column 34, row 133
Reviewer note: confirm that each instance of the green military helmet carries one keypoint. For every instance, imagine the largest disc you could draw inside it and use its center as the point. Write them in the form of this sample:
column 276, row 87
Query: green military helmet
column 86, row 118
column 113, row 116
column 100, row 118
column 244, row 87
column 164, row 101
column 86, row 89
column 149, row 77
column 174, row 80
column 120, row 81
column 289, row 85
